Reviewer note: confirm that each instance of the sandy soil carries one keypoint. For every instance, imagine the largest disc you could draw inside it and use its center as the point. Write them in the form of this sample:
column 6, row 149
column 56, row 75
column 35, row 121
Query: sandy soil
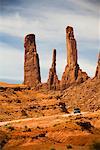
column 37, row 119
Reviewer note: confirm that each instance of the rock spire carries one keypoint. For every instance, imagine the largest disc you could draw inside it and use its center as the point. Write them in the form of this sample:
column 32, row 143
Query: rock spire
column 31, row 62
column 53, row 78
column 72, row 74
column 71, row 47
column 97, row 74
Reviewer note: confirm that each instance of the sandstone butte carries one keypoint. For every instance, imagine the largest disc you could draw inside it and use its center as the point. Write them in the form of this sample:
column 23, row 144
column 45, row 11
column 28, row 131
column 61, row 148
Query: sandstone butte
column 72, row 74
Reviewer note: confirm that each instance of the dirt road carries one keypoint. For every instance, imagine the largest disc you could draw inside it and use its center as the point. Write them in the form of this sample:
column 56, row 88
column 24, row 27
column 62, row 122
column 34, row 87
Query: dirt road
column 54, row 117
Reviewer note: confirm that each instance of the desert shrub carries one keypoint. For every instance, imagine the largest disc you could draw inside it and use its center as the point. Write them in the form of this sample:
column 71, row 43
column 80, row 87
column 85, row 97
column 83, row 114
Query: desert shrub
column 63, row 106
column 58, row 97
column 85, row 125
column 54, row 107
column 18, row 101
column 4, row 138
column 3, row 142
column 11, row 128
column 8, row 126
column 23, row 112
column 69, row 146
column 95, row 145
column 32, row 107
column 26, row 129
column 38, row 127
column 41, row 135
column 38, row 136
column 43, row 108
column 52, row 148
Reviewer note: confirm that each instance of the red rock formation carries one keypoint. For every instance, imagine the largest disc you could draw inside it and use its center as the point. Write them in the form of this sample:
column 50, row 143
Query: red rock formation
column 31, row 63
column 71, row 47
column 53, row 82
column 97, row 74
column 72, row 74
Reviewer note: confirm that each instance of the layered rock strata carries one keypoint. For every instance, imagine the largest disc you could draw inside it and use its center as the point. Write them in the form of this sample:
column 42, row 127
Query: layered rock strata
column 31, row 62
column 73, row 73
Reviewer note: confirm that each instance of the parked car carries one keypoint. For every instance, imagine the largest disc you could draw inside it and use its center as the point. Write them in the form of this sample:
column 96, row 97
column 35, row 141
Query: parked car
column 77, row 110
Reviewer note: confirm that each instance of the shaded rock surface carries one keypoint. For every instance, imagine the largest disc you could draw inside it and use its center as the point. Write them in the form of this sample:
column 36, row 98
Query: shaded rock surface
column 72, row 73
column 31, row 63
column 53, row 82
column 97, row 74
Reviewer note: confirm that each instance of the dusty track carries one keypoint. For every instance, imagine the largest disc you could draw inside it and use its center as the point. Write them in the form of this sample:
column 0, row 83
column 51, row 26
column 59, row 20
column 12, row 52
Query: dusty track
column 54, row 118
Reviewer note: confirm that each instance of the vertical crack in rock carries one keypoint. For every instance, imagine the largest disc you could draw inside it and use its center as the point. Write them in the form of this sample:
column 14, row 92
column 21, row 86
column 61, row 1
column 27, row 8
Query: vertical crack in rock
column 97, row 74
column 31, row 63
column 53, row 82
column 72, row 74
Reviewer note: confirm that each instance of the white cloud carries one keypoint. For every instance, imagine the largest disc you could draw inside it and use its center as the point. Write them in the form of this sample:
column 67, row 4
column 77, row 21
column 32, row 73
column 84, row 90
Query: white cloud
column 11, row 63
column 49, row 27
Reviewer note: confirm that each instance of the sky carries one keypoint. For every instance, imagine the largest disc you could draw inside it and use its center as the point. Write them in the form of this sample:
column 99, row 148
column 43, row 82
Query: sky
column 48, row 19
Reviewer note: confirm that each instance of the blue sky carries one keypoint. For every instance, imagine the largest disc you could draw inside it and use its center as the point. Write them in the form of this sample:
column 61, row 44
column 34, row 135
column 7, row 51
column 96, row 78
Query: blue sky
column 47, row 19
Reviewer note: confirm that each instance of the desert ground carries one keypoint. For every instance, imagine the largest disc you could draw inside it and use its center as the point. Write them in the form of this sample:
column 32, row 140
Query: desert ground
column 44, row 119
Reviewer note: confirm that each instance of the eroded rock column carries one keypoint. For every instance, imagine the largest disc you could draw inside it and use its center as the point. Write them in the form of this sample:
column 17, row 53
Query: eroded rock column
column 31, row 62
column 71, row 47
column 53, row 81
column 97, row 74
column 72, row 74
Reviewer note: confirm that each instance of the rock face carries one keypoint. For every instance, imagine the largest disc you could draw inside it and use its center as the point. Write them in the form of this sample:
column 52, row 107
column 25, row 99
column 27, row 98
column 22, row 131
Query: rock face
column 31, row 62
column 53, row 82
column 72, row 74
column 97, row 74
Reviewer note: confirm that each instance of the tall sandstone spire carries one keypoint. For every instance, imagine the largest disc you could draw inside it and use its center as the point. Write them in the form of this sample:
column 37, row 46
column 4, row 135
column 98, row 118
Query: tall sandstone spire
column 31, row 62
column 97, row 74
column 72, row 74
column 53, row 81
column 71, row 47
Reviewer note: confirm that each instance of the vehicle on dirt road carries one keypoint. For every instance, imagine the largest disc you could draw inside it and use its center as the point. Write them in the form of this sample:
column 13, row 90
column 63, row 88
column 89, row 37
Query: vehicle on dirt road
column 77, row 110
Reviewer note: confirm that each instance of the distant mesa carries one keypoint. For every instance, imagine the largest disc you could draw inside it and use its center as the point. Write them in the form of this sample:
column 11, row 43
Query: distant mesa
column 72, row 74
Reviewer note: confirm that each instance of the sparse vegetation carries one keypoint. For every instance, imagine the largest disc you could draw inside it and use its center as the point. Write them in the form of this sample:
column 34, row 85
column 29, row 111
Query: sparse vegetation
column 4, row 138
column 85, row 125
column 52, row 148
column 55, row 130
column 26, row 129
column 69, row 146
column 8, row 126
column 24, row 113
column 95, row 145
column 18, row 101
